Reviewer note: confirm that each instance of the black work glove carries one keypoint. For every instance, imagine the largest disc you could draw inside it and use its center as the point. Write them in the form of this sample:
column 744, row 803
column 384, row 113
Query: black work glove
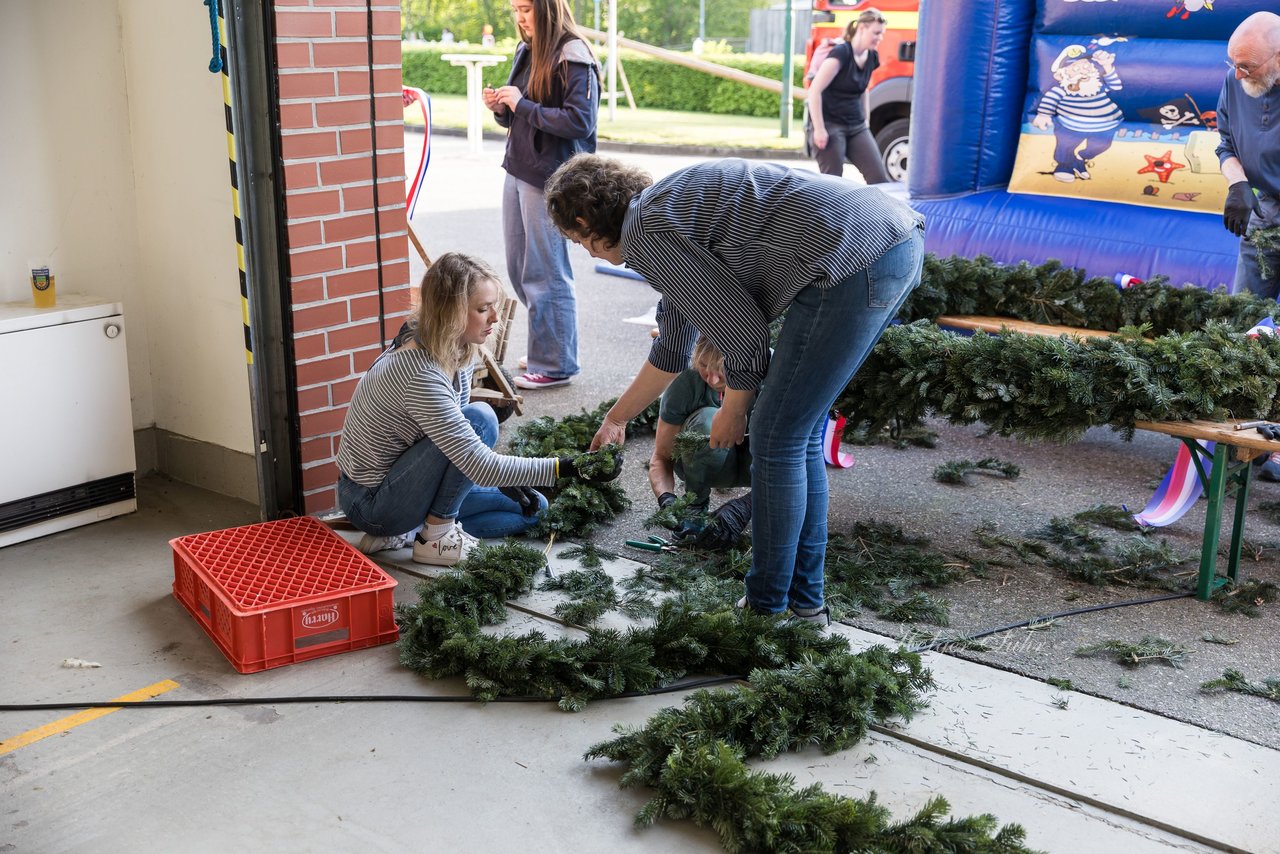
column 1270, row 431
column 666, row 499
column 525, row 496
column 568, row 468
column 726, row 525
column 1240, row 203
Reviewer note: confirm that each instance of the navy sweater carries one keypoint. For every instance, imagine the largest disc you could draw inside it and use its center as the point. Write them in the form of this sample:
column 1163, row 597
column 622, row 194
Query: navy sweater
column 541, row 137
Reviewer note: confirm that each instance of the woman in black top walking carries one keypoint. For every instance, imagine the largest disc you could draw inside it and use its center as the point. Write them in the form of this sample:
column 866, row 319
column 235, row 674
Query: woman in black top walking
column 838, row 111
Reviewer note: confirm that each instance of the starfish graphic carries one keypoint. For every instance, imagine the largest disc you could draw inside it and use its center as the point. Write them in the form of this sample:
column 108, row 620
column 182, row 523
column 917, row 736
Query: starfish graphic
column 1162, row 166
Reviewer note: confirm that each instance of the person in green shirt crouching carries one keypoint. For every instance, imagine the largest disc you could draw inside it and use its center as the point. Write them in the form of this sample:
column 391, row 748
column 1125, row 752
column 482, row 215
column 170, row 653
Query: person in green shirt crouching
column 689, row 404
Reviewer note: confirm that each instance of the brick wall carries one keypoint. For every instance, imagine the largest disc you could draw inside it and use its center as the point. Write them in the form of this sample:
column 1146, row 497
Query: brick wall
column 322, row 52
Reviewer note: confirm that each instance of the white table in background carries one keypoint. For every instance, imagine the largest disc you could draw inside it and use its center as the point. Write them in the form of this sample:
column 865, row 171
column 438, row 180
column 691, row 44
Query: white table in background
column 475, row 63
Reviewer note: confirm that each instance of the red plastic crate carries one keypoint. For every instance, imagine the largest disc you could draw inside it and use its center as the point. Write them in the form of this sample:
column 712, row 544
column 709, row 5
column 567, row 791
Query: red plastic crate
column 281, row 592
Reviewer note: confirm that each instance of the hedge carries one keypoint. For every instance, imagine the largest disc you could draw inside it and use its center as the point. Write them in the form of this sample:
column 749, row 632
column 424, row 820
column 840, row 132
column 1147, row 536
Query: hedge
column 656, row 84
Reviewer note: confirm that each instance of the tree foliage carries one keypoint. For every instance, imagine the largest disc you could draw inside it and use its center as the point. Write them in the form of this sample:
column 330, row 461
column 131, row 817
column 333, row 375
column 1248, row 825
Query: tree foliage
column 666, row 23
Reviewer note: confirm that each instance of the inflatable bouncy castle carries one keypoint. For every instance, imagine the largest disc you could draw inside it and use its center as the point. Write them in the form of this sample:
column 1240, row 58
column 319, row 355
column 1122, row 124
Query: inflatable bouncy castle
column 1078, row 130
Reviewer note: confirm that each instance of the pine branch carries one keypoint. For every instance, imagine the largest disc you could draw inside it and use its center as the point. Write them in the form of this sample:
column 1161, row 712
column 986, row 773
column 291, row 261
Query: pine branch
column 688, row 444
column 1234, row 680
column 1110, row 516
column 1247, row 598
column 1149, row 649
column 1266, row 240
column 954, row 471
column 589, row 555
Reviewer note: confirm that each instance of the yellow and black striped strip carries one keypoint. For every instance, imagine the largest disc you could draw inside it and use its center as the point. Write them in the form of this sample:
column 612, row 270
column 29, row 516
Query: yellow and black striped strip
column 235, row 187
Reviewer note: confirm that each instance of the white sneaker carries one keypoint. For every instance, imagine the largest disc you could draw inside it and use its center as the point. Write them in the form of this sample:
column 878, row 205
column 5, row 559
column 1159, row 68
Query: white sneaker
column 450, row 549
column 523, row 363
column 821, row 616
column 369, row 543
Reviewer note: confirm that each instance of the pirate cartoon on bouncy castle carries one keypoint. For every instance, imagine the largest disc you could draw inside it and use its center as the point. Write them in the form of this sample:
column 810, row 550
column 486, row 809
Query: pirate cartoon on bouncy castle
column 1086, row 117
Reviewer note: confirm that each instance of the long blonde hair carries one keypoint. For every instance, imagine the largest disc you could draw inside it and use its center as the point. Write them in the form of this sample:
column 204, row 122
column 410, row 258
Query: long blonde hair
column 441, row 305
column 553, row 25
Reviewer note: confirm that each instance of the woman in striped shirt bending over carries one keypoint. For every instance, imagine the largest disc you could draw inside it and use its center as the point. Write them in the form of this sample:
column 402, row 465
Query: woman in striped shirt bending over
column 413, row 455
column 731, row 245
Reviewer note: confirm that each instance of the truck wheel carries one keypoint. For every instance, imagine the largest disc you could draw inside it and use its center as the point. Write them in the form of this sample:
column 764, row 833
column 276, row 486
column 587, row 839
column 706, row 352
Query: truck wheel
column 895, row 145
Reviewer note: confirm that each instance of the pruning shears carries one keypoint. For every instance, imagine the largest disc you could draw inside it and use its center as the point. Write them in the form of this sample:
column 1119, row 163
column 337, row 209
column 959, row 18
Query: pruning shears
column 653, row 544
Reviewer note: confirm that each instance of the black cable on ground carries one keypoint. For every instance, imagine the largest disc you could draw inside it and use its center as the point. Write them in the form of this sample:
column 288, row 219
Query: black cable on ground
column 353, row 698
column 1047, row 618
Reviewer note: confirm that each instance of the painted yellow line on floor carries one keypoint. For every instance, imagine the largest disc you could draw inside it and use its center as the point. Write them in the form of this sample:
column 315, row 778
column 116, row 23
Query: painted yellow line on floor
column 31, row 736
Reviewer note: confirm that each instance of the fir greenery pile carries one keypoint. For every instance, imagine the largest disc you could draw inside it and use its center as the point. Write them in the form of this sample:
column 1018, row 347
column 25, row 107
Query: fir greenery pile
column 1056, row 388
column 577, row 508
column 1062, row 296
column 1199, row 364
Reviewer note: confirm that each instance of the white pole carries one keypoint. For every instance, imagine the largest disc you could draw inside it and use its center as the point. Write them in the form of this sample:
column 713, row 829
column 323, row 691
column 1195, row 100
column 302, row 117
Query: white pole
column 613, row 58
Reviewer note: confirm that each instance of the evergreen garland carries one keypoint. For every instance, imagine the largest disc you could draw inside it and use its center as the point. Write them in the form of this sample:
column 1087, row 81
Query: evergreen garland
column 1198, row 365
column 1056, row 388
column 693, row 757
column 1062, row 296
column 804, row 688
column 440, row 637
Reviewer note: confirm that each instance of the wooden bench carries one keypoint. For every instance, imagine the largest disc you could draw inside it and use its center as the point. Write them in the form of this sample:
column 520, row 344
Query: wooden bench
column 1229, row 469
column 994, row 325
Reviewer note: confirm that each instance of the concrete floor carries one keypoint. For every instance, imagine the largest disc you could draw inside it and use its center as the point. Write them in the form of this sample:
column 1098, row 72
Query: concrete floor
column 451, row 777
column 1097, row 776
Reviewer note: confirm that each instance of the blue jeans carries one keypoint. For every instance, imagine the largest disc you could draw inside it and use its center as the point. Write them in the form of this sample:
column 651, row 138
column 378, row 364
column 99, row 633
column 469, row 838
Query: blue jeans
column 538, row 266
column 825, row 339
column 1248, row 273
column 423, row 482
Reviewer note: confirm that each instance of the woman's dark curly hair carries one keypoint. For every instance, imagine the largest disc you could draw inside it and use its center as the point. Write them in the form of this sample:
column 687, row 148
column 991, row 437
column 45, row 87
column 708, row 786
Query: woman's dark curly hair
column 597, row 190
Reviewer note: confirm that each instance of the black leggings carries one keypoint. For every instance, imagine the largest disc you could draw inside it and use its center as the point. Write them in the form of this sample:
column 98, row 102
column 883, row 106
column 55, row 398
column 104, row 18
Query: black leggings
column 856, row 146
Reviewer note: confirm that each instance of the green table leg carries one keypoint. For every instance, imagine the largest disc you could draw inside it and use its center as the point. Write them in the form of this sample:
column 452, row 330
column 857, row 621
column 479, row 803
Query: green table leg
column 1212, row 521
column 1243, row 479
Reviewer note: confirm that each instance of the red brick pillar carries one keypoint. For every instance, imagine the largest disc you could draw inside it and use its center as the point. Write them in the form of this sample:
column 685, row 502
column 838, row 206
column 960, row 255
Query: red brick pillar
column 322, row 52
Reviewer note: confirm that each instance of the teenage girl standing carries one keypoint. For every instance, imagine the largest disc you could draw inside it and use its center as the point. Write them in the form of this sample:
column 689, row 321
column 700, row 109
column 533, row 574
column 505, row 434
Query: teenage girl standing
column 549, row 106
column 837, row 100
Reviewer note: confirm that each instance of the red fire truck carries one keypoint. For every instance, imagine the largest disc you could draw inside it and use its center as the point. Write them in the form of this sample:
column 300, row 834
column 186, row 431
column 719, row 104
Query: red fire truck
column 890, row 92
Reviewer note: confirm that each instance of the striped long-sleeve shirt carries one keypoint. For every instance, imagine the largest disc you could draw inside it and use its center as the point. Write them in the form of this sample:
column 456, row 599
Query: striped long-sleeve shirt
column 1092, row 114
column 405, row 397
column 728, row 244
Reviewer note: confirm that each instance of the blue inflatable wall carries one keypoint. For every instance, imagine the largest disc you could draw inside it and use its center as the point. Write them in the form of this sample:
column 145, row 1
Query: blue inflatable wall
column 981, row 68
